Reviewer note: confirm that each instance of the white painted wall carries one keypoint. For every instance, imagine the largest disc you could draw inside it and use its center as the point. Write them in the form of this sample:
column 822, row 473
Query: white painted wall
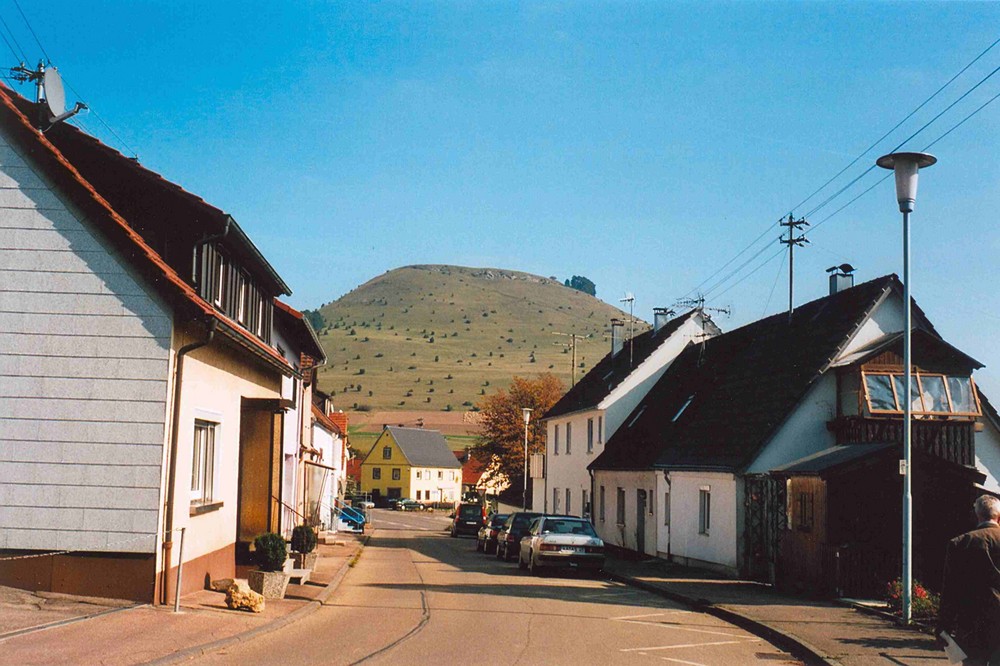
column 444, row 484
column 83, row 378
column 625, row 535
column 805, row 431
column 885, row 319
column 988, row 455
column 718, row 548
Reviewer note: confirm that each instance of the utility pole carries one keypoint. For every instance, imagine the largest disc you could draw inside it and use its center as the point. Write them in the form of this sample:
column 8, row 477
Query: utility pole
column 572, row 345
column 792, row 241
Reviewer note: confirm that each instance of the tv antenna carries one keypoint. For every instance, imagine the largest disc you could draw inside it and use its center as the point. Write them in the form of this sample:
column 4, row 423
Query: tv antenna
column 699, row 303
column 630, row 299
column 48, row 90
column 573, row 337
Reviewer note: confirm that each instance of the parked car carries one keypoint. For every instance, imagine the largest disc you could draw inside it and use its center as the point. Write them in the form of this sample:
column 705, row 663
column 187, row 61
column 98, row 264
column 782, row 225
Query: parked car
column 408, row 505
column 486, row 539
column 561, row 542
column 468, row 519
column 509, row 536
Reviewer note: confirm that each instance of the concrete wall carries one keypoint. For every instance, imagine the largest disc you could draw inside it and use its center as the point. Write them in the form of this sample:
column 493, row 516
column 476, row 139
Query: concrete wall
column 83, row 379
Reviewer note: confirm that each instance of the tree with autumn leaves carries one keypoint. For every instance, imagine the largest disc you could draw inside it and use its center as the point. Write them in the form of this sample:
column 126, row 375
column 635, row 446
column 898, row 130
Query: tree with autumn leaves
column 501, row 427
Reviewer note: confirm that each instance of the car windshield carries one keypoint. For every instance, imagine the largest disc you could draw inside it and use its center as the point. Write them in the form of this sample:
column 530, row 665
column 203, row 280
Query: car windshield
column 557, row 526
column 469, row 510
column 523, row 519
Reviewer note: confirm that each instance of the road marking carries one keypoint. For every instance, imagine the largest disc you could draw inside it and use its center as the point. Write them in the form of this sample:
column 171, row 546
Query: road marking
column 681, row 661
column 678, row 647
column 636, row 617
column 600, row 595
column 697, row 631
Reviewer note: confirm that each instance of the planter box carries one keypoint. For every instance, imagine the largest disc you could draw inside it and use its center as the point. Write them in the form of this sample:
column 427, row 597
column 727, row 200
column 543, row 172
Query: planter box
column 305, row 560
column 270, row 584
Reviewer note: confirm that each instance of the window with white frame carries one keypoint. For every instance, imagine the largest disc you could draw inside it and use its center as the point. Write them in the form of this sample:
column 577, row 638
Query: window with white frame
column 590, row 435
column 568, row 503
column 620, row 507
column 584, row 509
column 652, row 502
column 418, row 477
column 602, row 504
column 555, row 500
column 704, row 509
column 569, row 437
column 376, row 473
column 203, row 462
column 666, row 508
column 440, row 475
column 397, row 474
column 386, row 453
column 600, row 429
column 555, row 444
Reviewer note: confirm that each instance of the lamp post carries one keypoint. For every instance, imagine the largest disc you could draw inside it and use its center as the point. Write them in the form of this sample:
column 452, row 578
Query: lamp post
column 526, row 412
column 906, row 167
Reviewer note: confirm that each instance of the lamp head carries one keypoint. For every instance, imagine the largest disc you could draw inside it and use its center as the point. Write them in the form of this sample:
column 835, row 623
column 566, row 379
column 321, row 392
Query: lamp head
column 526, row 412
column 906, row 167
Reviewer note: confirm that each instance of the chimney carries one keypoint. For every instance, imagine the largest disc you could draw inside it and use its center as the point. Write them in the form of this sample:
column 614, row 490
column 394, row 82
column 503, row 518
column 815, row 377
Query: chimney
column 617, row 341
column 660, row 318
column 841, row 278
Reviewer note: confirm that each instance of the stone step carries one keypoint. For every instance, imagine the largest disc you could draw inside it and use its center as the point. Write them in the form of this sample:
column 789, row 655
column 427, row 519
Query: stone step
column 299, row 576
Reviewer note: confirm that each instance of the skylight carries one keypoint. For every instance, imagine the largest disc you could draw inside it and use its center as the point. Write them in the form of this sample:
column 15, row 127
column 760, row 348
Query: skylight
column 683, row 407
column 636, row 417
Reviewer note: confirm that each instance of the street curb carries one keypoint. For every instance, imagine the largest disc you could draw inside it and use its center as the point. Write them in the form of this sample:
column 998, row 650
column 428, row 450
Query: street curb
column 915, row 625
column 311, row 607
column 791, row 644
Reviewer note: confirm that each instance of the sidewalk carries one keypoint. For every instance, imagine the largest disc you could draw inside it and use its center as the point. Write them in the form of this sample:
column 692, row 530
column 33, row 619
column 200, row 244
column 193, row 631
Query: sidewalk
column 130, row 635
column 816, row 631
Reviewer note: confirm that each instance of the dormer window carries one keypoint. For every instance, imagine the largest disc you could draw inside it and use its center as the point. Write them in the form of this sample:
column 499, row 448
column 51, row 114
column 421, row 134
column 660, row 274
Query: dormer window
column 930, row 394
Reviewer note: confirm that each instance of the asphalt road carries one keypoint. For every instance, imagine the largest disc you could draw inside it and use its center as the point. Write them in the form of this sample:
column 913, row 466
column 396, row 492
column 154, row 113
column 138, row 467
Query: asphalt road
column 417, row 596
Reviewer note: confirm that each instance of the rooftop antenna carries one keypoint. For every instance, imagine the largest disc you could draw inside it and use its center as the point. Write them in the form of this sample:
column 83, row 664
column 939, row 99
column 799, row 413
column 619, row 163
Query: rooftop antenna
column 699, row 302
column 48, row 90
column 630, row 299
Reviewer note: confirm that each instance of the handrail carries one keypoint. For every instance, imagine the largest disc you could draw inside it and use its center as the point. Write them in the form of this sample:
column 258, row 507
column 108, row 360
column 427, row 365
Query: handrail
column 282, row 503
column 350, row 512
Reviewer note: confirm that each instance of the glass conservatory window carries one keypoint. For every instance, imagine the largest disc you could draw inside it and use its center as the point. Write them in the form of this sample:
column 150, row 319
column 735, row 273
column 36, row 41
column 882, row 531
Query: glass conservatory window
column 930, row 394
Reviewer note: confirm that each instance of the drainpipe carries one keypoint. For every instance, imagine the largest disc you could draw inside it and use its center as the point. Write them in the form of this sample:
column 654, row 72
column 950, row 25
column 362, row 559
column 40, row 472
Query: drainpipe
column 670, row 523
column 168, row 527
column 205, row 241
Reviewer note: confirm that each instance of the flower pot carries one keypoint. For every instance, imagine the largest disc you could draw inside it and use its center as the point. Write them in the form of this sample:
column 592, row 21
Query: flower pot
column 305, row 560
column 270, row 584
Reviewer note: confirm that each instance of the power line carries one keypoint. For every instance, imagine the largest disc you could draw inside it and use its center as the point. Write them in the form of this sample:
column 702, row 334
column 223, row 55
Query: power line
column 32, row 30
column 773, row 287
column 738, row 255
column 736, row 270
column 121, row 141
column 897, row 125
column 23, row 57
column 760, row 266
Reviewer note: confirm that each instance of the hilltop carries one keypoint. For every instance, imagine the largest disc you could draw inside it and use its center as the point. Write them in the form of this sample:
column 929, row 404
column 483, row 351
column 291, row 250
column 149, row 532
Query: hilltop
column 434, row 337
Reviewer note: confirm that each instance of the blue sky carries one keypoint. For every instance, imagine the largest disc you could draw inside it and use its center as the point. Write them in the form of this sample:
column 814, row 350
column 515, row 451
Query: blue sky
column 639, row 144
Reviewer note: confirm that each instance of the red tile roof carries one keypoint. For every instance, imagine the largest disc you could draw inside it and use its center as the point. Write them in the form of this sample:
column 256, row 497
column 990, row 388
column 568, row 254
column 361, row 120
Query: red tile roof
column 46, row 155
column 354, row 469
column 328, row 422
column 472, row 468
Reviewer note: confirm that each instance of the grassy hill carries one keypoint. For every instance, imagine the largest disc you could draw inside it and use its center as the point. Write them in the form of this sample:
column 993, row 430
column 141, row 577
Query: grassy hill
column 440, row 337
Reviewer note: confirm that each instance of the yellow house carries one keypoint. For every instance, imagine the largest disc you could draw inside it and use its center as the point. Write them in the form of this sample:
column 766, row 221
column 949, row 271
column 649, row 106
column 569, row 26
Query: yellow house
column 411, row 463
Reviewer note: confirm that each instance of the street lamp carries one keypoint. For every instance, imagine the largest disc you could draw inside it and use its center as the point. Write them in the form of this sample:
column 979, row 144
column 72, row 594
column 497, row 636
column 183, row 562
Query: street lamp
column 526, row 412
column 906, row 167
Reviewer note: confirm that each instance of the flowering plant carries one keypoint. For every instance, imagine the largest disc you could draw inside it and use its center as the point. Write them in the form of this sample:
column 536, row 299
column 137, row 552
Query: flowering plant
column 924, row 602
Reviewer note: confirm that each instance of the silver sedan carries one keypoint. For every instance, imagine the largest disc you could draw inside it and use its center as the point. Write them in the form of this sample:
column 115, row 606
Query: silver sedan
column 561, row 542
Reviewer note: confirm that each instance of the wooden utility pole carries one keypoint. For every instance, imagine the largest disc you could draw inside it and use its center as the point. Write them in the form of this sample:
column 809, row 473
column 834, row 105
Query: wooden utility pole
column 792, row 241
column 572, row 344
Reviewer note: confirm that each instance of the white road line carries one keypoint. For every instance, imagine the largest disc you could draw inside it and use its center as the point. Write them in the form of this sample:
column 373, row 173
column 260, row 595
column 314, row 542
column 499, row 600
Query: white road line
column 601, row 595
column 681, row 661
column 678, row 647
column 697, row 631
column 636, row 617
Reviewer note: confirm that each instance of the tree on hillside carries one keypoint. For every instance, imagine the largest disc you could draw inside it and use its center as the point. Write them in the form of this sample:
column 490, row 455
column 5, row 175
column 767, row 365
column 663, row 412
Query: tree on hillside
column 315, row 318
column 501, row 429
column 583, row 284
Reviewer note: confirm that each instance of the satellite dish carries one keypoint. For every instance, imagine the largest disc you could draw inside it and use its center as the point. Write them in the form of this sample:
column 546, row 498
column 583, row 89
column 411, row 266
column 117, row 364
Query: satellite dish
column 55, row 96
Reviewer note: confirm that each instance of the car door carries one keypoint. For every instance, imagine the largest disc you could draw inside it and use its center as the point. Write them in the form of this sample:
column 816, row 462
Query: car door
column 527, row 541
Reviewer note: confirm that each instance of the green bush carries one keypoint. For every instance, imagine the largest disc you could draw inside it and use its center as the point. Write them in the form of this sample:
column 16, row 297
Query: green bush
column 924, row 603
column 270, row 551
column 303, row 539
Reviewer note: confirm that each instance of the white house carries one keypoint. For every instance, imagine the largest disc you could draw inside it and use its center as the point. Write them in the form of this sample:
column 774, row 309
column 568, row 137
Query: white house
column 702, row 469
column 592, row 411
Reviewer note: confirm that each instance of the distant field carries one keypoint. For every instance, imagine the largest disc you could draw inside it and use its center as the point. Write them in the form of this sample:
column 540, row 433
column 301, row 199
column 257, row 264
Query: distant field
column 439, row 338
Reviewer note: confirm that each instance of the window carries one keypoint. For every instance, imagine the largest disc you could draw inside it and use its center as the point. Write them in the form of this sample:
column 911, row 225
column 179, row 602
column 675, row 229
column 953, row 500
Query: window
column 584, row 507
column 804, row 505
column 590, row 435
column 652, row 502
column 683, row 407
column 555, row 500
column 376, row 473
column 220, row 280
column 666, row 508
column 569, row 437
column 704, row 509
column 418, row 494
column 418, row 477
column 602, row 504
column 387, row 453
column 242, row 291
column 555, row 445
column 440, row 475
column 567, row 501
column 620, row 507
column 203, row 462
column 930, row 394
column 396, row 474
column 600, row 429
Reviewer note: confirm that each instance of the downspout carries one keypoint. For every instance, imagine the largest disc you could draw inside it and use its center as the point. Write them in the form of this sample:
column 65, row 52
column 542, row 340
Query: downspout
column 199, row 244
column 670, row 523
column 168, row 526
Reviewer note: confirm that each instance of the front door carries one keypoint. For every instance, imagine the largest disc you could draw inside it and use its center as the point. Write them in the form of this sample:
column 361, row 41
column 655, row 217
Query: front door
column 640, row 521
column 259, row 485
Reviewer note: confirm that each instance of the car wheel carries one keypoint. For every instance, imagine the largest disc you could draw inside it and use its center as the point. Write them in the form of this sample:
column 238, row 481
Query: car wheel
column 521, row 564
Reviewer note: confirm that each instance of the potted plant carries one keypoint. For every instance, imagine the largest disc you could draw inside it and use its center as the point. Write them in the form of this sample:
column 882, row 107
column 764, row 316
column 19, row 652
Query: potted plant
column 304, row 547
column 270, row 553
